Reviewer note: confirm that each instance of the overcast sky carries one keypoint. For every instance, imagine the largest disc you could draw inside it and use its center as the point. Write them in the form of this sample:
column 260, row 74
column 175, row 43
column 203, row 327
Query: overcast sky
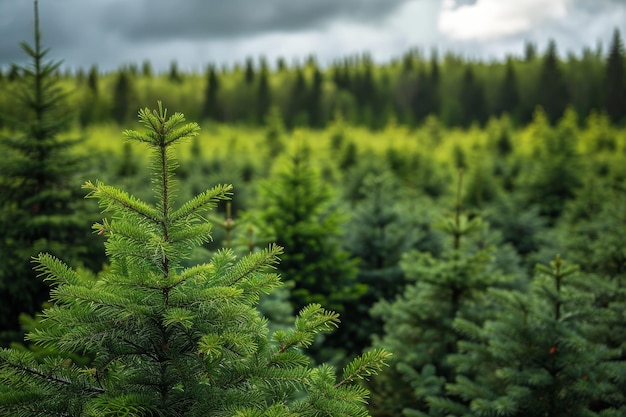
column 110, row 33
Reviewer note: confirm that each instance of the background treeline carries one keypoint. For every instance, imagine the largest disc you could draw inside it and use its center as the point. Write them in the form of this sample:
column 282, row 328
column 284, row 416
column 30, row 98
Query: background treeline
column 456, row 90
column 483, row 246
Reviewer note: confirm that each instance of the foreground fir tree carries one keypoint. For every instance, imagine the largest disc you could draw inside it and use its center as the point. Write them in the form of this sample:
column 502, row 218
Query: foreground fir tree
column 168, row 340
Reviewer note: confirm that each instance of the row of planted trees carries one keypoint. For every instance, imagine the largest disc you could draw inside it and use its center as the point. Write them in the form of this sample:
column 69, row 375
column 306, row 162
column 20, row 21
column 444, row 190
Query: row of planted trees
column 459, row 92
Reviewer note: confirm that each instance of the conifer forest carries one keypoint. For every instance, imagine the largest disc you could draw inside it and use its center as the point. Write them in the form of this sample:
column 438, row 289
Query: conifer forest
column 431, row 236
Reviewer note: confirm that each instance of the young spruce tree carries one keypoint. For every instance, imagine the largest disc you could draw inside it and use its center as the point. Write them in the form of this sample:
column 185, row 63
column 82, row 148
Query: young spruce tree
column 168, row 340
column 534, row 358
column 39, row 209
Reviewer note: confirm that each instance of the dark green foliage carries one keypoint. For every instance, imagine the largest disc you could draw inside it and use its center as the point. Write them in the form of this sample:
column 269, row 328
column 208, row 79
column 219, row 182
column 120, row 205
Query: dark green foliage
column 552, row 91
column 615, row 80
column 472, row 100
column 378, row 233
column 294, row 212
column 263, row 102
column 314, row 104
column 297, row 113
column 418, row 324
column 534, row 359
column 508, row 96
column 123, row 102
column 40, row 209
column 211, row 108
column 249, row 71
column 169, row 340
column 174, row 74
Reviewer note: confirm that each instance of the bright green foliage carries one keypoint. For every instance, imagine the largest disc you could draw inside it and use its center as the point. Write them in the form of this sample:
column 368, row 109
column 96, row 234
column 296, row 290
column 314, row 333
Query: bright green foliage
column 533, row 359
column 168, row 340
column 555, row 169
column 39, row 209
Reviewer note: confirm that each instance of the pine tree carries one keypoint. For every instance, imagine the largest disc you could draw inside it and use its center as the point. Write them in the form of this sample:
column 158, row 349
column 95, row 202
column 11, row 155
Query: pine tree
column 379, row 232
column 39, row 209
column 92, row 79
column 211, row 109
column 122, row 97
column 551, row 90
column 174, row 74
column 533, row 359
column 263, row 97
column 615, row 80
column 249, row 71
column 296, row 214
column 297, row 113
column 418, row 323
column 472, row 99
column 168, row 340
column 508, row 97
column 556, row 167
column 314, row 100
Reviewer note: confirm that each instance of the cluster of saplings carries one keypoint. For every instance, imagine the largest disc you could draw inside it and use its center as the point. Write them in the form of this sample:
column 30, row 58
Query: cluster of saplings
column 489, row 263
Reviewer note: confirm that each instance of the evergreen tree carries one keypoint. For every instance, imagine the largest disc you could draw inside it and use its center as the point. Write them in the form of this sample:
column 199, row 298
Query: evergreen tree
column 314, row 102
column 39, row 211
column 418, row 324
column 122, row 97
column 295, row 213
column 263, row 98
column 472, row 99
column 174, row 75
column 556, row 168
column 297, row 112
column 615, row 80
column 146, row 69
column 423, row 101
column 508, row 98
column 211, row 109
column 168, row 340
column 378, row 233
column 551, row 90
column 249, row 71
column 533, row 358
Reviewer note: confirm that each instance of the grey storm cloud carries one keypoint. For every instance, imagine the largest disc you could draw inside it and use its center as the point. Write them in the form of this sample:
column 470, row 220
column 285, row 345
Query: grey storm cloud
column 153, row 20
column 193, row 32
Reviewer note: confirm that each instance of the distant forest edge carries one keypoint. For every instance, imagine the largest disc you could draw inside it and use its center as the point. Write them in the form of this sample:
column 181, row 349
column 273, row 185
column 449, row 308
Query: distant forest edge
column 459, row 92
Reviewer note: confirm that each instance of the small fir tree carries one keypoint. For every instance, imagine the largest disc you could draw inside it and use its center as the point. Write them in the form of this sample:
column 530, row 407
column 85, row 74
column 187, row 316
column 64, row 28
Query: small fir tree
column 533, row 359
column 39, row 209
column 418, row 324
column 168, row 340
column 296, row 214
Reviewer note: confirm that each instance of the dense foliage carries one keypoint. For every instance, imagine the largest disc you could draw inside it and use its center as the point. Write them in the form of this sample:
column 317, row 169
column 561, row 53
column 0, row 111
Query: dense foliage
column 416, row 197
column 168, row 340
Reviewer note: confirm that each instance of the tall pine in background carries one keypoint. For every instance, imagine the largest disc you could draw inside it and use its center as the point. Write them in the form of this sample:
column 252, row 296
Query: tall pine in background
column 40, row 209
column 615, row 80
column 169, row 340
